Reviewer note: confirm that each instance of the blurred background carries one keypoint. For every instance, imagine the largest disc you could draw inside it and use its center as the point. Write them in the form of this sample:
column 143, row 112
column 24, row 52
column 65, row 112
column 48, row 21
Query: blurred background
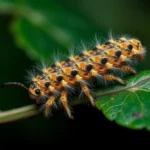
column 34, row 29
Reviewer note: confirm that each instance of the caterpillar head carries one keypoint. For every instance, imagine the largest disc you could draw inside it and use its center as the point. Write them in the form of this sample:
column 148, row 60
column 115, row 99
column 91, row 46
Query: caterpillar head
column 34, row 91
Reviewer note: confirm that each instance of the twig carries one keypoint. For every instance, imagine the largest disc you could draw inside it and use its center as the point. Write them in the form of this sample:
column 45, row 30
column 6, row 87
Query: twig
column 24, row 112
column 18, row 113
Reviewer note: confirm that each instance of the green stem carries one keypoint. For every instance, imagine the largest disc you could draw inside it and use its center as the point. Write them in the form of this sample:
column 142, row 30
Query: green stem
column 18, row 113
column 24, row 112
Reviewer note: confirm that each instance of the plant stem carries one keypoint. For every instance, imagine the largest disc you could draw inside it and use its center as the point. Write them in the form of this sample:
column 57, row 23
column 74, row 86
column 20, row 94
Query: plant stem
column 23, row 112
column 18, row 113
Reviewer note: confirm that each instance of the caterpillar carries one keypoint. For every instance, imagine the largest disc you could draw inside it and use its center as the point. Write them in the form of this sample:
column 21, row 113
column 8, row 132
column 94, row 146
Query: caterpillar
column 55, row 82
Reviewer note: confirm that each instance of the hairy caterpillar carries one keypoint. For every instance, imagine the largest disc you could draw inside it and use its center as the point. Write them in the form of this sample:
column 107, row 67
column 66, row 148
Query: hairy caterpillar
column 55, row 82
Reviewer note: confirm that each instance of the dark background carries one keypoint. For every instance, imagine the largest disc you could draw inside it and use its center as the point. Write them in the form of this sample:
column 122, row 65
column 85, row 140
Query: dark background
column 90, row 125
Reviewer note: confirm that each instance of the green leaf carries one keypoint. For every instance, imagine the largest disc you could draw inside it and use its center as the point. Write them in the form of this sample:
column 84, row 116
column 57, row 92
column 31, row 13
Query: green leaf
column 128, row 105
column 41, row 28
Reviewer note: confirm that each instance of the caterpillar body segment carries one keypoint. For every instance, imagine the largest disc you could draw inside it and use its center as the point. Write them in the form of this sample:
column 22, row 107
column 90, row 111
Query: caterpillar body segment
column 57, row 81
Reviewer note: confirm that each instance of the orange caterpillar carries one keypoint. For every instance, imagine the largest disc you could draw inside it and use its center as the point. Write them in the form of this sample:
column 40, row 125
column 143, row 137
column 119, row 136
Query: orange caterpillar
column 56, row 81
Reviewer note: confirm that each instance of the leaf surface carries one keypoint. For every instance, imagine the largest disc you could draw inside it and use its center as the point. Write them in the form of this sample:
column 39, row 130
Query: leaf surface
column 128, row 105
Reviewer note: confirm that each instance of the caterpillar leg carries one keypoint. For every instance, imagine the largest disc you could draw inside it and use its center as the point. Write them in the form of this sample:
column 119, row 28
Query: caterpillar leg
column 87, row 93
column 63, row 99
column 111, row 77
column 129, row 69
column 49, row 103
